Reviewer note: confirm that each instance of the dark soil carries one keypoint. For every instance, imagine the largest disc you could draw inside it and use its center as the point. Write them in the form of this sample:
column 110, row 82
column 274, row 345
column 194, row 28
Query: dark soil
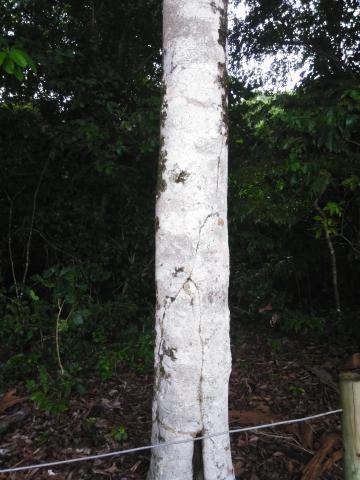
column 273, row 379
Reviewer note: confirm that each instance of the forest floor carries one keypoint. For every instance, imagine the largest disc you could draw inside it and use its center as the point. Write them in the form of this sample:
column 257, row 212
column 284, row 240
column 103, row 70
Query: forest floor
column 273, row 378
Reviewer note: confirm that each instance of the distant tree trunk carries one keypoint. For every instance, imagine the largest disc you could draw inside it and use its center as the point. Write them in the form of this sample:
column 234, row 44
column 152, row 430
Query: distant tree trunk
column 192, row 355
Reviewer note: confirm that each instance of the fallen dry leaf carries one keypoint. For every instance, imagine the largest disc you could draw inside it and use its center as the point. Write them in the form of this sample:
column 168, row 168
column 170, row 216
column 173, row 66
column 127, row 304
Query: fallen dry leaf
column 10, row 399
column 324, row 377
column 335, row 457
column 252, row 417
column 239, row 467
column 135, row 466
column 352, row 363
column 112, row 470
column 242, row 442
column 303, row 432
column 323, row 458
column 290, row 466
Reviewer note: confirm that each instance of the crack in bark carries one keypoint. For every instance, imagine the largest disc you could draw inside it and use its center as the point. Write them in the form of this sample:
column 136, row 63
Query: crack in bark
column 161, row 350
column 212, row 214
column 173, row 430
column 173, row 299
column 218, row 168
column 197, row 103
column 202, row 343
column 169, row 300
column 188, row 279
column 172, row 64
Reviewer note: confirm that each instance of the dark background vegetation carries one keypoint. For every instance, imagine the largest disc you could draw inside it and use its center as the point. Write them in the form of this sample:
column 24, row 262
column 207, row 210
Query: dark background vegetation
column 80, row 93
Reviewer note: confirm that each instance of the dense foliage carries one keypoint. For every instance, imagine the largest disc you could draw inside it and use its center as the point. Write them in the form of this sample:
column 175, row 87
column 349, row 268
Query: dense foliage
column 78, row 155
column 79, row 111
column 295, row 190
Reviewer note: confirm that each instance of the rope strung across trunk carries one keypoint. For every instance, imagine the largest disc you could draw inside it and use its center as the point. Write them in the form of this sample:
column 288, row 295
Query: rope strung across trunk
column 176, row 442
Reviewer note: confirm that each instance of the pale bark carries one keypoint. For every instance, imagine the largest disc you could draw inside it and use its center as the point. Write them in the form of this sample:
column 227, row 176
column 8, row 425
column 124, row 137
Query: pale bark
column 350, row 402
column 192, row 356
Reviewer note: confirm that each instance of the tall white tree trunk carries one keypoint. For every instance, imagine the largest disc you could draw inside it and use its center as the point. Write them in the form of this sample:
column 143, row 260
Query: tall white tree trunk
column 192, row 356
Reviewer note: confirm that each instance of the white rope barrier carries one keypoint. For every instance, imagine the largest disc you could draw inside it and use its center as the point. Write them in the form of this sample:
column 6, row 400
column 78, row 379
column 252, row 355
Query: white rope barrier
column 177, row 442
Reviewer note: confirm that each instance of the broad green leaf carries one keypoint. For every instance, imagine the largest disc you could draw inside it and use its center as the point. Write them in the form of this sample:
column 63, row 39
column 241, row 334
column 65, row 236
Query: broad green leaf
column 9, row 66
column 333, row 208
column 18, row 57
column 19, row 75
column 29, row 62
column 3, row 56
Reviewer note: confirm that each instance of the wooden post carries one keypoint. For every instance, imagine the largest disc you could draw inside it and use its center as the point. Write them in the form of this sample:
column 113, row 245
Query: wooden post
column 350, row 399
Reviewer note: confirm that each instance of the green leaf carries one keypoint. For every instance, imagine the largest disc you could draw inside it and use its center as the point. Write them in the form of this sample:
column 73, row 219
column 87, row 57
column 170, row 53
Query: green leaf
column 333, row 208
column 63, row 326
column 29, row 62
column 19, row 75
column 355, row 95
column 296, row 390
column 9, row 66
column 3, row 56
column 33, row 295
column 18, row 57
column 352, row 182
column 119, row 434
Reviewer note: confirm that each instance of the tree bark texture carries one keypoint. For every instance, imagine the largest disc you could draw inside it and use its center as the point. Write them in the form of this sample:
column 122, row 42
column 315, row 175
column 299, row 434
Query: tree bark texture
column 192, row 353
column 350, row 402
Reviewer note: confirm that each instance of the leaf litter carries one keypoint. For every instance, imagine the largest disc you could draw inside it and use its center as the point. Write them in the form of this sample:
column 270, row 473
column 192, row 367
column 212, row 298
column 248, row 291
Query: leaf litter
column 267, row 384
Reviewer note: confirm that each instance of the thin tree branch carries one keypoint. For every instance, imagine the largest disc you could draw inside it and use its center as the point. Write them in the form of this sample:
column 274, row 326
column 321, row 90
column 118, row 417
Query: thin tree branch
column 349, row 242
column 332, row 256
column 354, row 142
column 36, row 193
column 11, row 256
column 49, row 242
column 60, row 307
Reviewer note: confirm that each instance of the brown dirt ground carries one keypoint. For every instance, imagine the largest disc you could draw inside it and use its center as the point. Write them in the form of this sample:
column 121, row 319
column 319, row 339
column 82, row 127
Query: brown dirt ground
column 273, row 378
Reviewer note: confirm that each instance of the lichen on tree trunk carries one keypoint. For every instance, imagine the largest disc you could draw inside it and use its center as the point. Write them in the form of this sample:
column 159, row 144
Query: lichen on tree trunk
column 192, row 356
